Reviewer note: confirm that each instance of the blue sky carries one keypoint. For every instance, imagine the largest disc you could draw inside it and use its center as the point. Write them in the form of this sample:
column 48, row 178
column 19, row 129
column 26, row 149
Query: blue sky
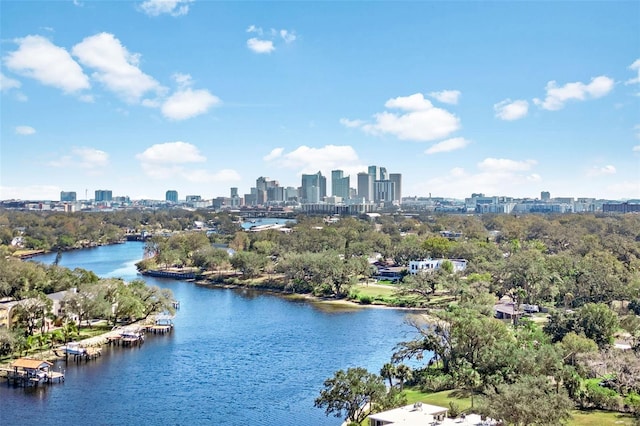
column 504, row 98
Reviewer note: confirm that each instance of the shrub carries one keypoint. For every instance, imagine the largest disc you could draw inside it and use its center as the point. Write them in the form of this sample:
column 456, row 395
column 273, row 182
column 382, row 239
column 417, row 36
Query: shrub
column 364, row 299
column 454, row 410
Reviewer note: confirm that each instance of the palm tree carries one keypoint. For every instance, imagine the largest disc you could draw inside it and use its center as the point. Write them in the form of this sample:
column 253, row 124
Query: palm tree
column 388, row 372
column 403, row 373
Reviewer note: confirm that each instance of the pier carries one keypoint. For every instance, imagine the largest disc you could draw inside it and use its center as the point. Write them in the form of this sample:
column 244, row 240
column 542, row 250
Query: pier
column 26, row 372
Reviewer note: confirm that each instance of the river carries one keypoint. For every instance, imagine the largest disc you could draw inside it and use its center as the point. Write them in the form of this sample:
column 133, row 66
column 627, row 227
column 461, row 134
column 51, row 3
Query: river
column 234, row 358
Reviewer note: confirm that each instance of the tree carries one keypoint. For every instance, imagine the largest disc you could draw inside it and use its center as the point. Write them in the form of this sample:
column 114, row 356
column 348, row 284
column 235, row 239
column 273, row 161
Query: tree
column 532, row 400
column 351, row 393
column 388, row 372
column 598, row 323
column 249, row 263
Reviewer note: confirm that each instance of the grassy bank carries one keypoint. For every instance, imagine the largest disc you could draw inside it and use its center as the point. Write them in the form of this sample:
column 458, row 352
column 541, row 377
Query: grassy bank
column 580, row 417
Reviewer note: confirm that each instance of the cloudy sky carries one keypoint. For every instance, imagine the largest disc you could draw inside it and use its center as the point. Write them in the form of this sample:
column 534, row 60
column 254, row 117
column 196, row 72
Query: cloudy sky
column 199, row 96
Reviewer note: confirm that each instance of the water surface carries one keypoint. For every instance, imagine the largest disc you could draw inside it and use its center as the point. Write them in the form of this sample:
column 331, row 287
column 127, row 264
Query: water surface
column 234, row 358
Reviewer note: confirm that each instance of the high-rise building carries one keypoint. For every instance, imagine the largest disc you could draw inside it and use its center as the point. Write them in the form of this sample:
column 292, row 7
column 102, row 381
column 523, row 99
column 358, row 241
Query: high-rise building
column 171, row 196
column 339, row 184
column 396, row 178
column 103, row 195
column 383, row 174
column 314, row 188
column 384, row 191
column 545, row 196
column 365, row 186
column 234, row 192
column 193, row 198
column 374, row 171
column 67, row 196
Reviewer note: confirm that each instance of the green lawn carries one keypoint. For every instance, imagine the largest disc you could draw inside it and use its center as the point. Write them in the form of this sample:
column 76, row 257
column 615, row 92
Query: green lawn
column 580, row 417
column 441, row 399
column 375, row 291
column 597, row 418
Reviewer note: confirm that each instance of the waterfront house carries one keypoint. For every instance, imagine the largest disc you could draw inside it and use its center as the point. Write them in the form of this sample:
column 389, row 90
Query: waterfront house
column 414, row 414
column 427, row 265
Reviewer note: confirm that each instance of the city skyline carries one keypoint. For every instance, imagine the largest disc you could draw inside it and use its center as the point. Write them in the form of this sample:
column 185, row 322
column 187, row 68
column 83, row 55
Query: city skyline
column 197, row 97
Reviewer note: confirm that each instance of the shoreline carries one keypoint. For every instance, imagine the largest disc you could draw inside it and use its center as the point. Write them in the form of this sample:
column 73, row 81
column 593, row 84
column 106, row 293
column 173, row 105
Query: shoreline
column 306, row 297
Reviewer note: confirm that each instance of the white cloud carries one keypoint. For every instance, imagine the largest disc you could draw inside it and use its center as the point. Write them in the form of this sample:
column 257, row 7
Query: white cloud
column 47, row 63
column 511, row 110
column 415, row 102
column 90, row 159
column 635, row 66
column 557, row 96
column 25, row 130
column 8, row 83
column 306, row 159
column 288, row 36
column 492, row 177
column 254, row 29
column 171, row 153
column 169, row 7
column 502, row 165
column 31, row 192
column 275, row 153
column 167, row 161
column 448, row 145
column 188, row 103
column 351, row 123
column 601, row 171
column 446, row 96
column 421, row 121
column 260, row 46
column 183, row 80
column 267, row 40
column 115, row 66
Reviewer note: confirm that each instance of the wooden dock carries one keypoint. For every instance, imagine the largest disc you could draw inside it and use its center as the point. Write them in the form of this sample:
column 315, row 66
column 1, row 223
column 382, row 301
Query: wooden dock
column 20, row 378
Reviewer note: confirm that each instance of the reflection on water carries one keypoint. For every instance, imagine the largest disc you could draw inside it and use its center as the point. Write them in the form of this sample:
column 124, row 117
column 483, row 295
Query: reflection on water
column 235, row 357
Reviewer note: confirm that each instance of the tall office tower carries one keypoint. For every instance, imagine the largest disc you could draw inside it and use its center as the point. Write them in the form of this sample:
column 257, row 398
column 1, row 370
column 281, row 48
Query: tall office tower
column 374, row 171
column 384, row 191
column 172, row 196
column 365, row 186
column 103, row 195
column 545, row 196
column 234, row 192
column 383, row 174
column 67, row 196
column 314, row 188
column 396, row 178
column 339, row 184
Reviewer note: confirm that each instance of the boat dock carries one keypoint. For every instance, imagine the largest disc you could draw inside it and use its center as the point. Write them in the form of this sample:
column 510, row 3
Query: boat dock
column 27, row 372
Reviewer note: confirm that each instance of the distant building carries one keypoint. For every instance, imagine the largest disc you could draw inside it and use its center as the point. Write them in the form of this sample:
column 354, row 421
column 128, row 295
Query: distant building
column 339, row 184
column 171, row 196
column 383, row 191
column 365, row 186
column 621, row 207
column 396, row 178
column 427, row 265
column 103, row 195
column 314, row 188
column 545, row 196
column 68, row 196
column 193, row 198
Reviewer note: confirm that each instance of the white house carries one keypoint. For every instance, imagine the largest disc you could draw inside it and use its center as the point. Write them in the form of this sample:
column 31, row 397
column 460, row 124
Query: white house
column 426, row 265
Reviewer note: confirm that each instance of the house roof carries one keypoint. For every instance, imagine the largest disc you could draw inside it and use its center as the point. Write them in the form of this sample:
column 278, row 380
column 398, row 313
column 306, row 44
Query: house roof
column 30, row 363
column 506, row 308
column 409, row 415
